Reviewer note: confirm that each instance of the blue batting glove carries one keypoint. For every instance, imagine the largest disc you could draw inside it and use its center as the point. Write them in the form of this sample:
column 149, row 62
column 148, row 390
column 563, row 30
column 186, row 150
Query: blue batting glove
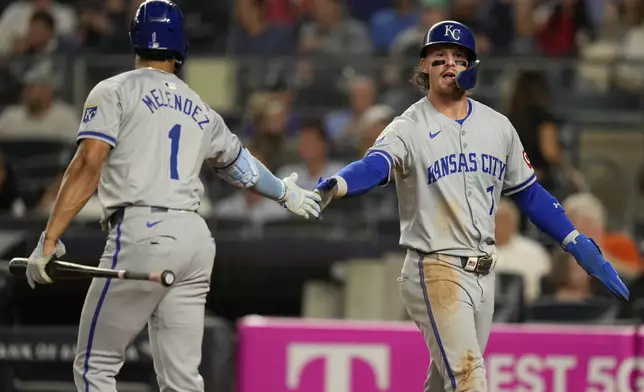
column 327, row 189
column 590, row 258
column 326, row 184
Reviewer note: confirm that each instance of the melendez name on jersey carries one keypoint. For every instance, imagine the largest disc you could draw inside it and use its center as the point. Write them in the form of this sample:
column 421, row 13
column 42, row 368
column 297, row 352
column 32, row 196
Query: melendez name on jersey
column 160, row 98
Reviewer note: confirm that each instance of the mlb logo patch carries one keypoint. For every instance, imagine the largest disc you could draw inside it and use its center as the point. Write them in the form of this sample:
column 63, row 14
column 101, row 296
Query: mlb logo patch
column 90, row 113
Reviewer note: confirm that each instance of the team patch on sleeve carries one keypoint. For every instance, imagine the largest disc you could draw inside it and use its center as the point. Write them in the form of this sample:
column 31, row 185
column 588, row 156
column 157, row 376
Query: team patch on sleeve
column 381, row 137
column 526, row 159
column 90, row 113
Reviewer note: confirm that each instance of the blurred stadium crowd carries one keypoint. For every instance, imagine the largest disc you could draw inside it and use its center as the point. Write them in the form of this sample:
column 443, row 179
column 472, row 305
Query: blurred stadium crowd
column 315, row 83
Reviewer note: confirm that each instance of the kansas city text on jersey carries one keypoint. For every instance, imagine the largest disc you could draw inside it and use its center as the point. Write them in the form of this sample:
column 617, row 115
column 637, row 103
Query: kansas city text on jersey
column 156, row 99
column 458, row 163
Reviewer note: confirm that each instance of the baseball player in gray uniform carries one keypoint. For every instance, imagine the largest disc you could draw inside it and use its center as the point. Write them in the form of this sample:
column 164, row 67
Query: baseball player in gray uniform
column 451, row 159
column 143, row 138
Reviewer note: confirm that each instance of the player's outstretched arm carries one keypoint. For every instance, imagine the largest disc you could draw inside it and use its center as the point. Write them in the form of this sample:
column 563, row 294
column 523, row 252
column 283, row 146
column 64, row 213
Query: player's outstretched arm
column 78, row 185
column 355, row 179
column 246, row 172
column 299, row 201
column 548, row 215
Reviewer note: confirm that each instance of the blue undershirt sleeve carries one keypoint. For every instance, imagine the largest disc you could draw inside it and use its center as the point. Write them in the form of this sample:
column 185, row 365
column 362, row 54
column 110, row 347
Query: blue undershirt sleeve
column 365, row 174
column 545, row 212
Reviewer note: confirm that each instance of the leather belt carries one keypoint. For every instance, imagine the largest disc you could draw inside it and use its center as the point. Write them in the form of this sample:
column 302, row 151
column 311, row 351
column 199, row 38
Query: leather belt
column 481, row 265
column 117, row 216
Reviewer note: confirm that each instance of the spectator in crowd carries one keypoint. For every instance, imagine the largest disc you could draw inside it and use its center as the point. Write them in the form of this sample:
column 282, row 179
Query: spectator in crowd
column 313, row 152
column 341, row 125
column 518, row 254
column 364, row 10
column 468, row 12
column 387, row 23
column 333, row 32
column 539, row 132
column 250, row 206
column 270, row 120
column 42, row 38
column 587, row 213
column 407, row 43
column 596, row 69
column 10, row 202
column 372, row 123
column 100, row 24
column 630, row 76
column 41, row 115
column 16, row 19
column 287, row 12
column 255, row 35
column 500, row 26
column 563, row 27
column 526, row 27
column 277, row 89
column 569, row 281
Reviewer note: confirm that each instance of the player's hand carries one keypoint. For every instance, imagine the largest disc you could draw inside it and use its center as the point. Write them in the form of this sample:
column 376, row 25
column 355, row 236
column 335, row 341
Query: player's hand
column 590, row 258
column 300, row 201
column 327, row 188
column 39, row 260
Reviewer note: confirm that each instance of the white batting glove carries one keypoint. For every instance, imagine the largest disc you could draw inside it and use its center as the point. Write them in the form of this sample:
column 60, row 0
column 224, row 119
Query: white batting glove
column 300, row 201
column 38, row 261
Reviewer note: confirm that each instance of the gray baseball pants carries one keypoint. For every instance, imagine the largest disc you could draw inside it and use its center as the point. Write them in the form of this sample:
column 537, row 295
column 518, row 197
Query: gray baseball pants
column 116, row 311
column 453, row 308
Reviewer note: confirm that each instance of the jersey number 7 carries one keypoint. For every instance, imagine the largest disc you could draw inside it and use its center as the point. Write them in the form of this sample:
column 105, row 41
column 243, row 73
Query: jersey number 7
column 490, row 190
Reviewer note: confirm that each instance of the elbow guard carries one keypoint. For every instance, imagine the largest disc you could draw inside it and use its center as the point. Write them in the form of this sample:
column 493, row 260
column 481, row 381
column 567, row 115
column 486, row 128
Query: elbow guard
column 242, row 173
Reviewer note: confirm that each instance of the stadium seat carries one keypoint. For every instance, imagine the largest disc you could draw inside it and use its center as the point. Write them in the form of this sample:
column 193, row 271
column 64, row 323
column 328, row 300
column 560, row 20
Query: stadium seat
column 36, row 164
column 371, row 289
column 638, row 309
column 322, row 300
column 298, row 227
column 508, row 298
column 595, row 311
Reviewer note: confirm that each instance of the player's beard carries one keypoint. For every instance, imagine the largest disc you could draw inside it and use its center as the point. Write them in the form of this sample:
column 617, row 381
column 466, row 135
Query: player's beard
column 451, row 92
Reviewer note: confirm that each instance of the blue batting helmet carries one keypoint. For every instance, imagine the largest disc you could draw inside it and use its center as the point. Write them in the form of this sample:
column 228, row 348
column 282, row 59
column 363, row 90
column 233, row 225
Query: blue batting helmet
column 157, row 29
column 455, row 33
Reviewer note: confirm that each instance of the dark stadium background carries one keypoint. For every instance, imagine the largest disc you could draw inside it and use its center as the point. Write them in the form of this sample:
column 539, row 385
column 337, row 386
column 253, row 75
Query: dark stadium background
column 308, row 85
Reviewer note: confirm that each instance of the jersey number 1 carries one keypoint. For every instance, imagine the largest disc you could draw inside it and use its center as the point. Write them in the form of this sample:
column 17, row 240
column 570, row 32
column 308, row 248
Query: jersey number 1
column 174, row 135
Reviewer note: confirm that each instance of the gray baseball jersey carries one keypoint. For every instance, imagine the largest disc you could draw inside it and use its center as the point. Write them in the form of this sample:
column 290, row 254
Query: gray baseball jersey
column 450, row 176
column 161, row 132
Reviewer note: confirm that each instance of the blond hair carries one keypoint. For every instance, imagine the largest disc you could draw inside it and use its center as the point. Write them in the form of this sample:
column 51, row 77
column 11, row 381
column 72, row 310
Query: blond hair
column 586, row 205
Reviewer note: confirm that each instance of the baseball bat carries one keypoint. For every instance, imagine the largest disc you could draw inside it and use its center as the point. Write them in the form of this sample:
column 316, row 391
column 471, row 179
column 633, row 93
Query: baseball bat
column 58, row 269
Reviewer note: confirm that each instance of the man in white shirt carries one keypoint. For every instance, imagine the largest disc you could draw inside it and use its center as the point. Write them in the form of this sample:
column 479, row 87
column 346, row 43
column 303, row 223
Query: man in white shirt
column 40, row 116
column 249, row 206
column 313, row 151
column 519, row 254
column 15, row 20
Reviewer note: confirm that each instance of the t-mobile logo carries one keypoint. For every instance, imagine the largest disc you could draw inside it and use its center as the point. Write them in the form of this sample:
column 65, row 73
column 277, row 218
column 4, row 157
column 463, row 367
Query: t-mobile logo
column 337, row 367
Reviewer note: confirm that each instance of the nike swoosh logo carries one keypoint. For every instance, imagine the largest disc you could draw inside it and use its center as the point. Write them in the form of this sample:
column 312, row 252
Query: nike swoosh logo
column 152, row 224
column 433, row 135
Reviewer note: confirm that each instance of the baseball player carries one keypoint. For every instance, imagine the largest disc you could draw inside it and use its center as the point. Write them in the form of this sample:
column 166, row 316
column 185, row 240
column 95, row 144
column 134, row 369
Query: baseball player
column 143, row 138
column 452, row 158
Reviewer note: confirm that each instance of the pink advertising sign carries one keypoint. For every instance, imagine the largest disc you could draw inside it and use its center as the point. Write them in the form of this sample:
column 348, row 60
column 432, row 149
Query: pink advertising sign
column 293, row 355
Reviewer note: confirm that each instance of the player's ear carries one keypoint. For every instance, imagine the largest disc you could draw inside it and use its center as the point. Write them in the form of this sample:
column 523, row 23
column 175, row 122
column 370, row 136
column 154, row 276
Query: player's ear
column 424, row 65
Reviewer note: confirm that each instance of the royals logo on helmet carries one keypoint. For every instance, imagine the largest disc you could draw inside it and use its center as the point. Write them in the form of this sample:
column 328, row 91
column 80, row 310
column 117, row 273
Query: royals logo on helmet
column 452, row 32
